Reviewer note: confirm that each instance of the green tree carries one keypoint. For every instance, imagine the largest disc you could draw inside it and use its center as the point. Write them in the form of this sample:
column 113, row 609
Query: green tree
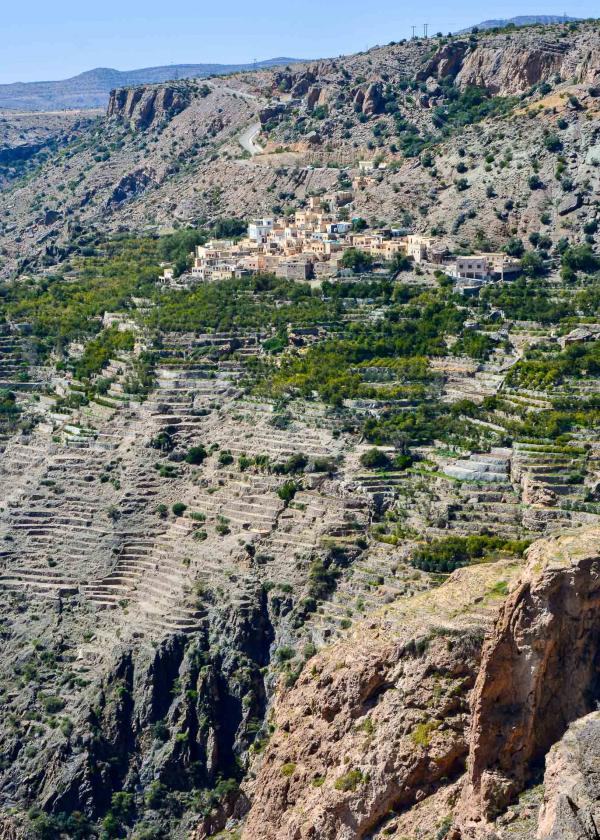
column 356, row 260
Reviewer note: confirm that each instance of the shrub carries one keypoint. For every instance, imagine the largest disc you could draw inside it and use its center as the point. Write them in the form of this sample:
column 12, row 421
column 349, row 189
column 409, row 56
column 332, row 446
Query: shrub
column 195, row 455
column 403, row 462
column 287, row 491
column 163, row 441
column 553, row 143
column 225, row 458
column 323, row 465
column 350, row 780
column 156, row 795
column 288, row 769
column 375, row 459
column 160, row 731
column 179, row 508
column 535, row 182
column 244, row 462
column 421, row 734
column 75, row 825
column 281, row 421
column 111, row 826
column 53, row 704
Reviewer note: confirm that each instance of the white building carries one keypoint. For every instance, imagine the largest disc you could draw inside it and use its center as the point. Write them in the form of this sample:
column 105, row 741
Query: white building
column 259, row 229
column 472, row 268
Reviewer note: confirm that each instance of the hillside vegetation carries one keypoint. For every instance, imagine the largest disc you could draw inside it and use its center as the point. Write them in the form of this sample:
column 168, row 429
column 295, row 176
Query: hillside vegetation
column 312, row 559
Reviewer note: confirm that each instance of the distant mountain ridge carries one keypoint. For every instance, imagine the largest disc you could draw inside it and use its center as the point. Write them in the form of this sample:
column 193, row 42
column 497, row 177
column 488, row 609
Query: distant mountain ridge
column 91, row 88
column 520, row 20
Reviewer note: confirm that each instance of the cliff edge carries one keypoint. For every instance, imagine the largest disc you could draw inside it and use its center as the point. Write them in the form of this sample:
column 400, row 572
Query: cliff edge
column 438, row 712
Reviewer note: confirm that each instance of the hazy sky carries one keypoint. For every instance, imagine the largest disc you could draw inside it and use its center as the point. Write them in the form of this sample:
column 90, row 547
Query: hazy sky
column 53, row 39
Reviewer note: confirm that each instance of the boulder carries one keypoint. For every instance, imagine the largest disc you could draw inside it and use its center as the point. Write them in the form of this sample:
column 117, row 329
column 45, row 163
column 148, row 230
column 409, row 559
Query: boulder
column 577, row 336
column 538, row 494
column 358, row 98
column 569, row 203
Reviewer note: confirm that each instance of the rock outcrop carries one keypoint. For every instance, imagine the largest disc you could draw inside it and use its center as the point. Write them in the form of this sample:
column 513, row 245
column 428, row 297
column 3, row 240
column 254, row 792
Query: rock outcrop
column 571, row 807
column 130, row 186
column 447, row 61
column 539, row 671
column 271, row 113
column 507, row 69
column 506, row 66
column 388, row 720
column 377, row 722
column 373, row 101
column 145, row 106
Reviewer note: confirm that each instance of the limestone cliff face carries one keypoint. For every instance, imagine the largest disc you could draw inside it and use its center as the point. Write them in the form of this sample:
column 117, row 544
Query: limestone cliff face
column 508, row 65
column 571, row 807
column 144, row 106
column 418, row 714
column 509, row 69
column 539, row 671
column 379, row 721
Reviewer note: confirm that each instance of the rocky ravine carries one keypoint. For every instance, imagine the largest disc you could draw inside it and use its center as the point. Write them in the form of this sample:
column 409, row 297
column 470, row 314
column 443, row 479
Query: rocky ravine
column 375, row 738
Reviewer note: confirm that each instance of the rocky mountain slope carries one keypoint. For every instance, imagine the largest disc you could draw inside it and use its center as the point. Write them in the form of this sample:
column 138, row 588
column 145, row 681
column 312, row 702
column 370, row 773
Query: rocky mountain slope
column 446, row 702
column 455, row 161
column 91, row 89
column 305, row 560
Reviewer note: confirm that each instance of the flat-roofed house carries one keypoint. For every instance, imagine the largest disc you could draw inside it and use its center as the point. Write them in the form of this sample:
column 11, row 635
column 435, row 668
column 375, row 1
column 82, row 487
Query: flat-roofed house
column 500, row 264
column 295, row 269
column 258, row 229
column 472, row 268
column 417, row 246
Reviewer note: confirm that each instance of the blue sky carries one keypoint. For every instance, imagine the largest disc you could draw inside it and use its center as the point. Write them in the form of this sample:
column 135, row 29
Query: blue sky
column 53, row 40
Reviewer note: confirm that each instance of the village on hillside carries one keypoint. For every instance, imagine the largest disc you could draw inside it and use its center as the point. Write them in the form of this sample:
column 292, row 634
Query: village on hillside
column 323, row 241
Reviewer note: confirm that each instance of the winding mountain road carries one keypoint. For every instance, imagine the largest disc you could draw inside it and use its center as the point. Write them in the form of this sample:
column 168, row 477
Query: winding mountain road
column 246, row 137
column 247, row 141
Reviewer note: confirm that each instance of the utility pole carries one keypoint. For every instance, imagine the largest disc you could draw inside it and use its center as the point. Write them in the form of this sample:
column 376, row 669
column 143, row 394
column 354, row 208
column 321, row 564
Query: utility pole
column 413, row 29
column 425, row 25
